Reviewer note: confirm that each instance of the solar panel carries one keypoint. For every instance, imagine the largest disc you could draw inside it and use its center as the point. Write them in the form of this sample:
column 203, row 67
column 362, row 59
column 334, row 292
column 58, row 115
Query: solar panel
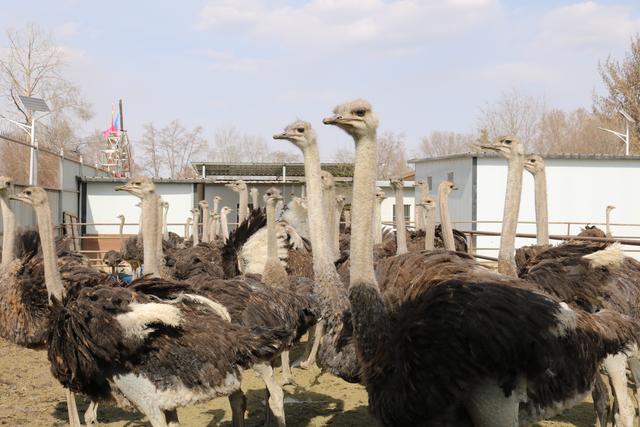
column 34, row 104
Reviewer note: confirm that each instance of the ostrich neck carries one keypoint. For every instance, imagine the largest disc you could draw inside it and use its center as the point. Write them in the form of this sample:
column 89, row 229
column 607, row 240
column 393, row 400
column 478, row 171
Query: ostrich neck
column 165, row 225
column 196, row 226
column 401, row 227
column 364, row 177
column 121, row 235
column 445, row 221
column 244, row 205
column 377, row 229
column 542, row 211
column 205, row 223
column 8, row 230
column 216, row 204
column 53, row 281
column 329, row 204
column 186, row 231
column 607, row 225
column 254, row 200
column 272, row 241
column 429, row 223
column 506, row 255
column 331, row 292
column 225, row 227
column 158, row 232
column 336, row 230
column 150, row 235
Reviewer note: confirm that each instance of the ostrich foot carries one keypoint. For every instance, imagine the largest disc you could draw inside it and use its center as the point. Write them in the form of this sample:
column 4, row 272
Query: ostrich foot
column 287, row 377
column 91, row 414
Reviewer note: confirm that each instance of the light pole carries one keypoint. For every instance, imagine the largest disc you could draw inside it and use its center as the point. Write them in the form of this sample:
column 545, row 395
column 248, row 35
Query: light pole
column 32, row 104
column 623, row 136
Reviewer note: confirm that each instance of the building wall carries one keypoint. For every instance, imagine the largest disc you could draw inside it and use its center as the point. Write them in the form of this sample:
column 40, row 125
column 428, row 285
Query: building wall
column 461, row 200
column 104, row 204
column 386, row 208
column 578, row 190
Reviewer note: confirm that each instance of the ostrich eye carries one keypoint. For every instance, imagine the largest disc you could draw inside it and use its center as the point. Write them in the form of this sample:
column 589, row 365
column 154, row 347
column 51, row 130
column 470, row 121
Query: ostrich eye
column 360, row 113
column 28, row 193
column 300, row 130
column 507, row 141
column 533, row 161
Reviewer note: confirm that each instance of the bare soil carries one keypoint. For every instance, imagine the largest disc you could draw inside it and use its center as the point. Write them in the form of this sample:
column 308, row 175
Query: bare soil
column 30, row 396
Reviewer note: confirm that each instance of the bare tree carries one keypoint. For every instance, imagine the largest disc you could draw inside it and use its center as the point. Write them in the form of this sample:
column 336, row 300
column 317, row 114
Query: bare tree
column 392, row 155
column 230, row 145
column 513, row 114
column 439, row 143
column 343, row 155
column 178, row 146
column 32, row 65
column 285, row 157
column 150, row 149
column 622, row 80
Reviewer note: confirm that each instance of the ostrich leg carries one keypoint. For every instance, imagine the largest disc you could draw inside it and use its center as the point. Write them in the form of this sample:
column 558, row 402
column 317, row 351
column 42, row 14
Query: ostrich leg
column 275, row 393
column 315, row 336
column 616, row 367
column 91, row 414
column 172, row 418
column 600, row 397
column 634, row 367
column 238, row 402
column 287, row 377
column 72, row 409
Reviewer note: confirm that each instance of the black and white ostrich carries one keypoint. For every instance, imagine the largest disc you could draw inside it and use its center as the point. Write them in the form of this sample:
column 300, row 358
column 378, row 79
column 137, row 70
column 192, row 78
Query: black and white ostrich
column 154, row 343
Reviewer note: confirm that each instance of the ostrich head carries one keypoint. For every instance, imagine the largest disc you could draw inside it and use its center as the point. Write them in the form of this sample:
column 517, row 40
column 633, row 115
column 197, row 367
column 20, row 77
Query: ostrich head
column 340, row 200
column 203, row 204
column 610, row 208
column 446, row 187
column 506, row 147
column 356, row 118
column 34, row 196
column 139, row 186
column 225, row 210
column 217, row 198
column 253, row 191
column 273, row 196
column 380, row 194
column 422, row 185
column 396, row 183
column 194, row 212
column 237, row 185
column 428, row 202
column 300, row 133
column 534, row 164
column 327, row 180
column 120, row 217
column 189, row 220
column 5, row 183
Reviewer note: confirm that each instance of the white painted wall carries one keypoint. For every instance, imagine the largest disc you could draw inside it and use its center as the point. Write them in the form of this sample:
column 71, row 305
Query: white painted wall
column 104, row 204
column 579, row 190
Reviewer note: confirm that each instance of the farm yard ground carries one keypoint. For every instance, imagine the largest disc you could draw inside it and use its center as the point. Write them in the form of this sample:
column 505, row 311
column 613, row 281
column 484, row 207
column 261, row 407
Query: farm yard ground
column 29, row 396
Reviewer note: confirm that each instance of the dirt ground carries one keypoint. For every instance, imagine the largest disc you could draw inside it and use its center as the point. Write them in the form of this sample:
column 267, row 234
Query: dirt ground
column 29, row 396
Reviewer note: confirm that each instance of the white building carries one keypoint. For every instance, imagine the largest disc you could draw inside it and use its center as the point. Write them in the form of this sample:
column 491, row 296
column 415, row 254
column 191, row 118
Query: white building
column 387, row 208
column 579, row 189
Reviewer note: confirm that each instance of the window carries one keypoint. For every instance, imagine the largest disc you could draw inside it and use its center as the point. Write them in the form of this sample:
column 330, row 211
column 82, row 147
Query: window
column 450, row 177
column 430, row 183
column 407, row 213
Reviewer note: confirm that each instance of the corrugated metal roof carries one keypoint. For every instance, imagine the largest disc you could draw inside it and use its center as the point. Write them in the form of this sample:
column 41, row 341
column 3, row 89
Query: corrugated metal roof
column 577, row 156
column 214, row 169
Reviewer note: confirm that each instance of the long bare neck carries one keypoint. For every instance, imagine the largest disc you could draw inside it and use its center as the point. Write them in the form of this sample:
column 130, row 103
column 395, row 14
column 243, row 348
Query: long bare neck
column 364, row 178
column 506, row 255
column 336, row 229
column 215, row 226
column 150, row 235
column 121, row 234
column 377, row 229
column 329, row 203
column 52, row 278
column 186, row 230
column 542, row 210
column 244, row 205
column 607, row 225
column 165, row 225
column 272, row 241
column 254, row 200
column 401, row 227
column 205, row 223
column 8, row 230
column 445, row 221
column 429, row 221
column 158, row 232
column 225, row 227
column 216, row 205
column 196, row 226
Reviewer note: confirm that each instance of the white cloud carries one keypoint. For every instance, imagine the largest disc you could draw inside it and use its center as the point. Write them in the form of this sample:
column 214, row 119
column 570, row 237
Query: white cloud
column 336, row 24
column 227, row 61
column 588, row 25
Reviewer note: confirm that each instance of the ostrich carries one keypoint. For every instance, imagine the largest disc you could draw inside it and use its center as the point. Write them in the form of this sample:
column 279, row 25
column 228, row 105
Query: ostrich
column 255, row 203
column 426, row 328
column 444, row 189
column 329, row 205
column 340, row 202
column 165, row 225
column 204, row 205
column 377, row 230
column 401, row 228
column 240, row 187
column 423, row 186
column 187, row 225
column 608, row 220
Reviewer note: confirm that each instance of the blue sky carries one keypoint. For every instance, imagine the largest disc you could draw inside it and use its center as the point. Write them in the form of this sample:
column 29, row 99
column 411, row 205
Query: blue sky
column 258, row 64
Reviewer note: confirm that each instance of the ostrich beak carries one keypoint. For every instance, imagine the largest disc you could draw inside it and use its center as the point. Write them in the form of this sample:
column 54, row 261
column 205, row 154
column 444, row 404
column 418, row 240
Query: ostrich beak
column 332, row 120
column 20, row 197
column 282, row 135
column 124, row 187
column 454, row 188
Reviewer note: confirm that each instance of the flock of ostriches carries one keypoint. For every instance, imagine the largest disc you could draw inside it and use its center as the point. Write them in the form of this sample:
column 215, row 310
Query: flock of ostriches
column 436, row 338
